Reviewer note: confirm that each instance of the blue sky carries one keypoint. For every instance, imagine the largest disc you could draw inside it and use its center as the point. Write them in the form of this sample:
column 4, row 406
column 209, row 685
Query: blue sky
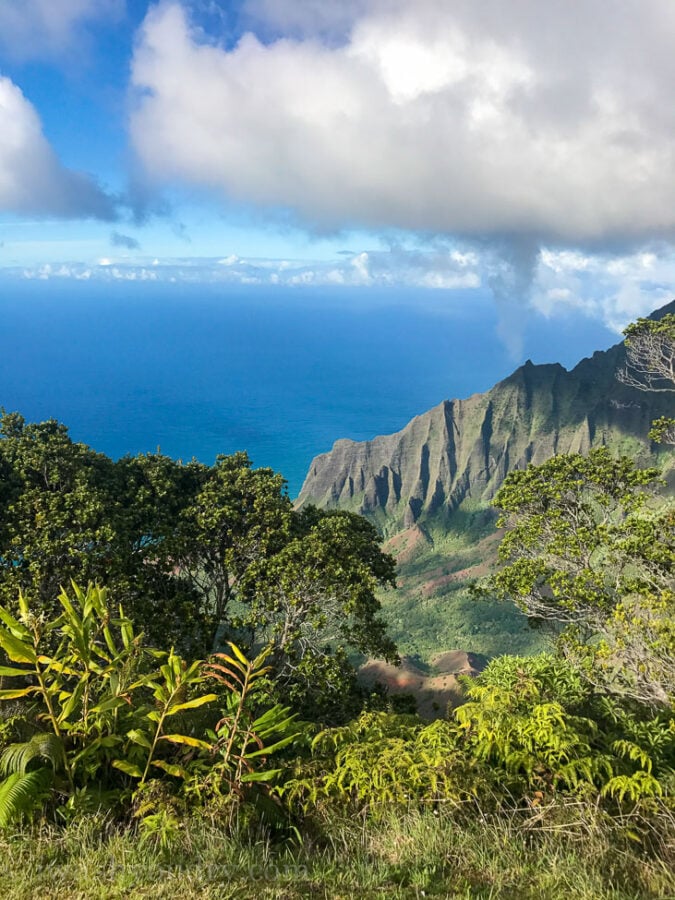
column 527, row 148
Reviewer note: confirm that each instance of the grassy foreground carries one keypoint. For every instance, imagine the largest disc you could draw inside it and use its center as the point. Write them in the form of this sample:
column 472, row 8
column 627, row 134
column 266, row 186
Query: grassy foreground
column 567, row 851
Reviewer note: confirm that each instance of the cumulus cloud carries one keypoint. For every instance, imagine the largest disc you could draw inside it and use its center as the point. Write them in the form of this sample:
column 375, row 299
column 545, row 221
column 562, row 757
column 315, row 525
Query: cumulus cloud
column 32, row 180
column 548, row 123
column 33, row 28
column 617, row 290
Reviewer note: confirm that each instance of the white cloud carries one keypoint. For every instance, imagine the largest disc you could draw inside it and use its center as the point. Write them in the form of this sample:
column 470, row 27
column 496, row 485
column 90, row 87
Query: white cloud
column 400, row 267
column 614, row 290
column 551, row 122
column 33, row 28
column 32, row 180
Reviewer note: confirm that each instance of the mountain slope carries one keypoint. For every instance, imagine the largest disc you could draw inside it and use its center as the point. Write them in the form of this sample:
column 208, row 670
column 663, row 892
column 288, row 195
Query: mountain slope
column 458, row 453
column 428, row 488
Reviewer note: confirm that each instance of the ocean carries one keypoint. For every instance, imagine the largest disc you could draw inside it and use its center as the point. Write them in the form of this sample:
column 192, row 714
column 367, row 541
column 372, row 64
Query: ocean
column 197, row 370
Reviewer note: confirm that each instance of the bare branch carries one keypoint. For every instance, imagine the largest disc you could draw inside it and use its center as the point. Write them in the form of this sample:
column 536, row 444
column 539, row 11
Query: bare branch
column 650, row 355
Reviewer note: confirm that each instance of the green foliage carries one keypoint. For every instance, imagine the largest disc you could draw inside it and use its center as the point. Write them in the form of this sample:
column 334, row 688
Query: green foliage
column 112, row 717
column 382, row 758
column 21, row 794
column 316, row 598
column 246, row 735
column 532, row 729
column 56, row 521
column 586, row 551
column 43, row 746
column 237, row 516
column 73, row 514
column 515, row 720
column 92, row 693
column 191, row 551
column 538, row 720
column 663, row 430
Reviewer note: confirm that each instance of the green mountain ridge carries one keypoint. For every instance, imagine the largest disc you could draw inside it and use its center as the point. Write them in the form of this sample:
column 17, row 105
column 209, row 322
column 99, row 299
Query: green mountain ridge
column 428, row 489
column 458, row 453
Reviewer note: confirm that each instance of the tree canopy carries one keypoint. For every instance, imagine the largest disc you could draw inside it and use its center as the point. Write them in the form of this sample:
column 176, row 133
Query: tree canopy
column 191, row 551
column 587, row 550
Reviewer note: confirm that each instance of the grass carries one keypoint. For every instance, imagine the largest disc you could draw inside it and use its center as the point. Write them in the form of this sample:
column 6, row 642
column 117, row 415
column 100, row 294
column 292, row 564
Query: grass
column 566, row 851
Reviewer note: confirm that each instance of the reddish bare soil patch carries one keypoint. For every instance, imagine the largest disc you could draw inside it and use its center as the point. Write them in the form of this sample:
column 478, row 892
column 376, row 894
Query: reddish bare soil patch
column 406, row 545
column 434, row 691
column 458, row 662
column 433, row 585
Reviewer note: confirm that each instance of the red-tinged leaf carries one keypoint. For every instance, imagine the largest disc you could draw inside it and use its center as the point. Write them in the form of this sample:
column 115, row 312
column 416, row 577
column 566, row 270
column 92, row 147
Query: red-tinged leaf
column 232, row 662
column 228, row 684
column 214, row 667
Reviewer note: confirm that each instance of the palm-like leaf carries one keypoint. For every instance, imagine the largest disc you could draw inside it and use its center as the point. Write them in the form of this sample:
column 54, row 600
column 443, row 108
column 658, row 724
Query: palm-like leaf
column 43, row 746
column 21, row 794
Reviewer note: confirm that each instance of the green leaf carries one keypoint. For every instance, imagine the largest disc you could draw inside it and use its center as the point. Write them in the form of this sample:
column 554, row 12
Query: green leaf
column 73, row 701
column 17, row 650
column 237, row 652
column 185, row 739
column 18, row 692
column 192, row 704
column 260, row 776
column 265, row 751
column 23, row 604
column 10, row 621
column 127, row 767
column 13, row 673
column 43, row 745
column 176, row 771
column 21, row 794
column 139, row 737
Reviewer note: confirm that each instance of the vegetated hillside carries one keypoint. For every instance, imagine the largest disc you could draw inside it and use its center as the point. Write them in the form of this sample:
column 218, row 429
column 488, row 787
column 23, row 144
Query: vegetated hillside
column 428, row 487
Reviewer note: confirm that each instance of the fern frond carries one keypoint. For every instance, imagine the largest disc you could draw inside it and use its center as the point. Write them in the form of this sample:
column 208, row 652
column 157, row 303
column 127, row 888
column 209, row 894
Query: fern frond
column 21, row 794
column 43, row 746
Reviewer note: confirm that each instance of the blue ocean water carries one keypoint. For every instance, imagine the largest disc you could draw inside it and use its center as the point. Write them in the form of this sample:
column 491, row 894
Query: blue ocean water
column 199, row 370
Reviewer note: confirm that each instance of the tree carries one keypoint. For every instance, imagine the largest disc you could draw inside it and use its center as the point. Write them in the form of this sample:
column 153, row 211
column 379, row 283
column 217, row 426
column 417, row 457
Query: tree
column 73, row 514
column 650, row 365
column 59, row 512
column 235, row 516
column 316, row 599
column 587, row 551
column 191, row 551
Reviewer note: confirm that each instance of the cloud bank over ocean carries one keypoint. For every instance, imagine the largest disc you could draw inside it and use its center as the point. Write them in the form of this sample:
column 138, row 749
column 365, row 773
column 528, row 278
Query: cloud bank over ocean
column 525, row 149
